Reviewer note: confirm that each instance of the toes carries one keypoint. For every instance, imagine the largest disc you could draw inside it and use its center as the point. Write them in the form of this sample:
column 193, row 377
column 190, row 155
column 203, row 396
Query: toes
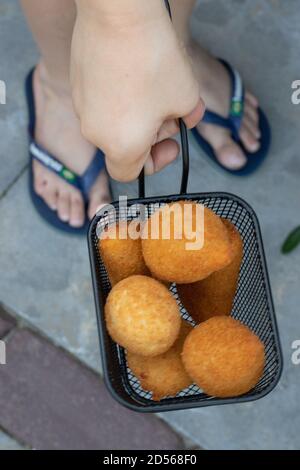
column 96, row 205
column 228, row 153
column 248, row 138
column 63, row 205
column 39, row 180
column 45, row 187
column 77, row 212
column 49, row 195
column 250, row 132
column 251, row 99
column 252, row 115
column 100, row 195
column 231, row 156
column 251, row 126
column 97, row 202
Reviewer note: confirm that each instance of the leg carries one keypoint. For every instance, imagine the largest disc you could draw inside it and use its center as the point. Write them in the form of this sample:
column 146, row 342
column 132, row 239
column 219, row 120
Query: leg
column 58, row 128
column 215, row 90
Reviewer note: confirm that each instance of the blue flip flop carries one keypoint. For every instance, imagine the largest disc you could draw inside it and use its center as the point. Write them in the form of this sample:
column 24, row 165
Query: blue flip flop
column 233, row 123
column 82, row 182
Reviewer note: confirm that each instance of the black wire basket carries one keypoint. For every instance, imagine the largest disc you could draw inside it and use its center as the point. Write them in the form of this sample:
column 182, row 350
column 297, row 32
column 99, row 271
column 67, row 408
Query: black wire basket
column 253, row 303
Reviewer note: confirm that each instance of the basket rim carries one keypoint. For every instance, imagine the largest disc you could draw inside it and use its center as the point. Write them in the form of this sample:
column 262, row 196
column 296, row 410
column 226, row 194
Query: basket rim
column 134, row 405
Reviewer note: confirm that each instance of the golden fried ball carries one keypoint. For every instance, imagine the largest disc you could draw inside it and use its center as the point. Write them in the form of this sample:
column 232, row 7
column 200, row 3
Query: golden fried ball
column 163, row 375
column 122, row 257
column 172, row 259
column 142, row 316
column 224, row 357
column 215, row 294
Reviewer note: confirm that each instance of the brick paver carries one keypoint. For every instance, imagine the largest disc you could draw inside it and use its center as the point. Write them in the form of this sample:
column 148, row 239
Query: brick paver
column 51, row 401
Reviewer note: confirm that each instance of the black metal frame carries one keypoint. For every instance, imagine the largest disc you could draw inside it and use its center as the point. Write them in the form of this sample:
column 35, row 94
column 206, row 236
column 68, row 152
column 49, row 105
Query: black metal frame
column 120, row 381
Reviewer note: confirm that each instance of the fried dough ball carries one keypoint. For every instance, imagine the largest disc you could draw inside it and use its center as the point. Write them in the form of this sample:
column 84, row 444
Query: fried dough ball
column 215, row 294
column 142, row 316
column 173, row 259
column 163, row 375
column 224, row 357
column 122, row 256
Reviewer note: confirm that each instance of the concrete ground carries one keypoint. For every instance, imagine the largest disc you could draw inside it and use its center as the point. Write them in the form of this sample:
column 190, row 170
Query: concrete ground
column 45, row 275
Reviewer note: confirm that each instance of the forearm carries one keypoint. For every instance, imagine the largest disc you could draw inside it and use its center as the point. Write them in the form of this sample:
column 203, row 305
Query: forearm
column 122, row 12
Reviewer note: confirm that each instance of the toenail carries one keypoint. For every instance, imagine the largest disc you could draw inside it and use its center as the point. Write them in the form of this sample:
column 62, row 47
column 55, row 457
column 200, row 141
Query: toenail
column 64, row 217
column 236, row 161
column 254, row 146
column 76, row 223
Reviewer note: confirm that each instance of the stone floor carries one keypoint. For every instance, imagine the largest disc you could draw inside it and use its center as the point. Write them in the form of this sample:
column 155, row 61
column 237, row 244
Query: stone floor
column 50, row 400
column 45, row 275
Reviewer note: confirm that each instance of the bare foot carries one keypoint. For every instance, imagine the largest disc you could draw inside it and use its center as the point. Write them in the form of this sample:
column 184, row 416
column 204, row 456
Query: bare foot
column 58, row 131
column 215, row 89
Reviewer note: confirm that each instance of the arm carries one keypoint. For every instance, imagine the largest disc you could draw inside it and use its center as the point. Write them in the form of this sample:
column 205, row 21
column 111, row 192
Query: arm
column 131, row 80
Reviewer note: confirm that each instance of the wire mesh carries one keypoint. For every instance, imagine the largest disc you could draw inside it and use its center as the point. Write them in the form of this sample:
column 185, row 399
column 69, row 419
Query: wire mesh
column 252, row 305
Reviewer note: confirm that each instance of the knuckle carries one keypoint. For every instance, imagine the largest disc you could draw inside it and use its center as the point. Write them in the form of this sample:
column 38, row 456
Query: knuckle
column 121, row 171
column 88, row 130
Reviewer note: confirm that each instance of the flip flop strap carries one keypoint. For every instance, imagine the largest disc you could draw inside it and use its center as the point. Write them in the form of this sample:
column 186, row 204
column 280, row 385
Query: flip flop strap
column 91, row 173
column 234, row 120
column 82, row 182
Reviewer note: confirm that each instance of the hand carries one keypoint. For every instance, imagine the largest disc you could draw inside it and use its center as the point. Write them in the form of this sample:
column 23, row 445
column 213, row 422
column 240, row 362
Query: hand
column 131, row 81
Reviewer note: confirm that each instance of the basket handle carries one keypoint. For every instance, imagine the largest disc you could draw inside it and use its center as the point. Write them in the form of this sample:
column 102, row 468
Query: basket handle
column 185, row 163
column 184, row 149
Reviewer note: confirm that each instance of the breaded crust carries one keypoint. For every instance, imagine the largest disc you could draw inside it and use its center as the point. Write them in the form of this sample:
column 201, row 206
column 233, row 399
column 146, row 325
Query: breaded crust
column 122, row 257
column 215, row 295
column 171, row 259
column 142, row 316
column 163, row 375
column 224, row 357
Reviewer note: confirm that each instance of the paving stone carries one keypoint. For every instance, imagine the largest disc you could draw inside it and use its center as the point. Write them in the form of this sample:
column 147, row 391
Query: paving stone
column 6, row 322
column 47, row 275
column 7, row 443
column 265, row 51
column 14, row 65
column 51, row 401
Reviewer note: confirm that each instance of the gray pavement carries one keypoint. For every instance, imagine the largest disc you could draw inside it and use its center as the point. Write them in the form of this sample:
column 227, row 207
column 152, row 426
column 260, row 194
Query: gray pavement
column 45, row 275
column 7, row 443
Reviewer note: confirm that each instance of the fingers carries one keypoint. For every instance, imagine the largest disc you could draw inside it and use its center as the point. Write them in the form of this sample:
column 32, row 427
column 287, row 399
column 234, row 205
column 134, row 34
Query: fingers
column 167, row 130
column 125, row 162
column 125, row 169
column 195, row 116
column 162, row 154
